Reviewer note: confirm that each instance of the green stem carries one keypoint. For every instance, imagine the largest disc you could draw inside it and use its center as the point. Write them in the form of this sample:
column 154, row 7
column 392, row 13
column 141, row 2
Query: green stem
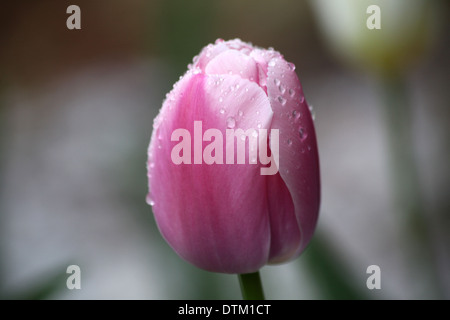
column 251, row 286
column 403, row 169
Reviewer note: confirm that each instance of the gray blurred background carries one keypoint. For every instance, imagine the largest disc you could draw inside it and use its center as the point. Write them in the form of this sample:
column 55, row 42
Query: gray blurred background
column 76, row 113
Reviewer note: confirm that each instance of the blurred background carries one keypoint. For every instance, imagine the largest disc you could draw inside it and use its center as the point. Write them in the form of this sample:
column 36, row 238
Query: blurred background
column 76, row 113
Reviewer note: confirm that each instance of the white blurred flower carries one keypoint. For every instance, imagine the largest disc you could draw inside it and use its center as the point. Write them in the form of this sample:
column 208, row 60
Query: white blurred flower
column 408, row 28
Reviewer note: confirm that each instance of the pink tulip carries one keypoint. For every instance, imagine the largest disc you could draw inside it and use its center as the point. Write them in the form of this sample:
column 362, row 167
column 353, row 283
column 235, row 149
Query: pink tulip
column 225, row 217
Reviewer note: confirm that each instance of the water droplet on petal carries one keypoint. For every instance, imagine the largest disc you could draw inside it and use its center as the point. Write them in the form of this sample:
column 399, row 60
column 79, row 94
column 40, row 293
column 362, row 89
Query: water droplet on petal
column 222, row 111
column 220, row 99
column 281, row 100
column 272, row 63
column 282, row 89
column 231, row 122
column 289, row 142
column 243, row 136
column 240, row 113
column 276, row 81
column 291, row 92
column 302, row 133
column 313, row 114
column 258, row 125
column 254, row 134
column 296, row 115
column 291, row 66
column 309, row 148
column 246, row 89
column 149, row 200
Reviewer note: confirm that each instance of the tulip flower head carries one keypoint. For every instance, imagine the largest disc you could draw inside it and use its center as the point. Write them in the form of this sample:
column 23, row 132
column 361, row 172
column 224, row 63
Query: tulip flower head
column 233, row 164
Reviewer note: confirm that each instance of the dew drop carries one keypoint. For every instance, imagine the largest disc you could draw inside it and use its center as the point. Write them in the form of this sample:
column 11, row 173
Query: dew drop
column 272, row 63
column 282, row 89
column 220, row 99
column 243, row 136
column 302, row 133
column 281, row 100
column 289, row 142
column 240, row 113
column 254, row 134
column 149, row 200
column 246, row 89
column 222, row 111
column 276, row 81
column 291, row 92
column 258, row 125
column 257, row 112
column 231, row 122
column 309, row 148
column 313, row 114
column 291, row 66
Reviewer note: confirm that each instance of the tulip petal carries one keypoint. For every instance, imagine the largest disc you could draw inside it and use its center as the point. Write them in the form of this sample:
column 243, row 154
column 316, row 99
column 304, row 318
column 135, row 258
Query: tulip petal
column 298, row 157
column 284, row 230
column 234, row 62
column 214, row 216
column 208, row 53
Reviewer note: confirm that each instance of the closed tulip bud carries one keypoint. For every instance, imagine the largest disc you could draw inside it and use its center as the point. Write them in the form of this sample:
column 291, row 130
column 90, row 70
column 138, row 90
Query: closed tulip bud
column 233, row 164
